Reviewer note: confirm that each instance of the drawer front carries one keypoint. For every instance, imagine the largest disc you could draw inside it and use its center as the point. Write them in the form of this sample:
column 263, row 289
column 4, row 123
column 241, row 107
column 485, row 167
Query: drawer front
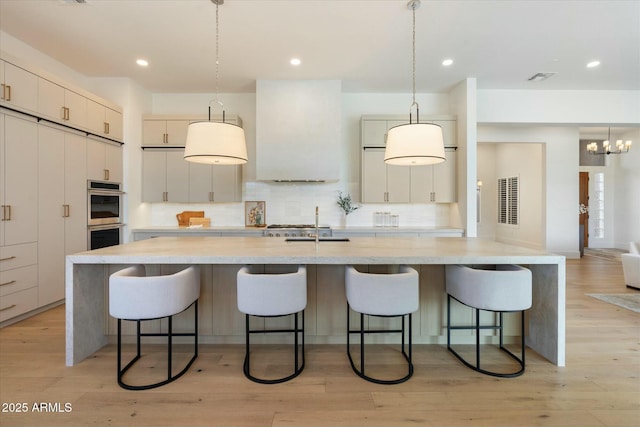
column 16, row 256
column 18, row 279
column 17, row 303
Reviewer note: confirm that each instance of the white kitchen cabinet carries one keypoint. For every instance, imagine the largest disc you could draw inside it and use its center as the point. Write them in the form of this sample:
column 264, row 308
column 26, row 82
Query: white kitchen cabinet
column 381, row 182
column 215, row 183
column 165, row 176
column 104, row 161
column 104, row 121
column 62, row 211
column 18, row 87
column 436, row 183
column 61, row 105
column 19, row 182
column 401, row 184
column 164, row 132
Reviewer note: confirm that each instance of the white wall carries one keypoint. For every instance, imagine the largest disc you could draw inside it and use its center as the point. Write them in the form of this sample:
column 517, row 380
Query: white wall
column 559, row 179
column 488, row 191
column 627, row 194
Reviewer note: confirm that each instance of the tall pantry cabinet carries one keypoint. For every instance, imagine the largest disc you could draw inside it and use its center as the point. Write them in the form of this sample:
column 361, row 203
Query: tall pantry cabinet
column 19, row 224
column 62, row 206
column 53, row 138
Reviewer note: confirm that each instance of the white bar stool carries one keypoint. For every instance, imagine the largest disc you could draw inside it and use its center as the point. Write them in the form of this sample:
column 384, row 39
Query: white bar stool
column 273, row 295
column 136, row 297
column 382, row 295
column 499, row 288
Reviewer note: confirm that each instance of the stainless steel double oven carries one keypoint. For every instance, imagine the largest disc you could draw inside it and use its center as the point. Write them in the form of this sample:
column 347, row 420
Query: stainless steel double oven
column 104, row 214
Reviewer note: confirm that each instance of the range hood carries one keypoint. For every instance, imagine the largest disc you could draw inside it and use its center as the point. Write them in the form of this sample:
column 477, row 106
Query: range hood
column 298, row 130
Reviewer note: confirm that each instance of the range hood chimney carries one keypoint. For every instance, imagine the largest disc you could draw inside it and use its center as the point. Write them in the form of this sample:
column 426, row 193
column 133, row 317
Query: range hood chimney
column 298, row 130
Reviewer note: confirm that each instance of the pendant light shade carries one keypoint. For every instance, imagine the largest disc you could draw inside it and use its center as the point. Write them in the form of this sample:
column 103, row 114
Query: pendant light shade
column 215, row 143
column 414, row 144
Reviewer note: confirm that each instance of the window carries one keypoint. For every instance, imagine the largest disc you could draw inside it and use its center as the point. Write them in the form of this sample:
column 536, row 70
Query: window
column 508, row 200
column 596, row 206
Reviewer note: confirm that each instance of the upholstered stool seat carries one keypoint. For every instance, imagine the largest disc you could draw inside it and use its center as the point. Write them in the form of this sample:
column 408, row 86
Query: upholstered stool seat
column 384, row 295
column 137, row 297
column 499, row 288
column 273, row 295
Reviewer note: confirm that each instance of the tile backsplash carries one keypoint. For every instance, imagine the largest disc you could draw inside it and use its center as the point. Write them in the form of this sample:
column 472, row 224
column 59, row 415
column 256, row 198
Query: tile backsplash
column 294, row 203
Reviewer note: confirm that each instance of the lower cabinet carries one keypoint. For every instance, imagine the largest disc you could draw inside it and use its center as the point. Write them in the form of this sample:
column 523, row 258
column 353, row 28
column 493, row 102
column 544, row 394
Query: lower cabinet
column 18, row 279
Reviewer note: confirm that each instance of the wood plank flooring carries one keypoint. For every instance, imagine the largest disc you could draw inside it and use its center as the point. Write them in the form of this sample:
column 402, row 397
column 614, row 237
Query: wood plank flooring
column 600, row 386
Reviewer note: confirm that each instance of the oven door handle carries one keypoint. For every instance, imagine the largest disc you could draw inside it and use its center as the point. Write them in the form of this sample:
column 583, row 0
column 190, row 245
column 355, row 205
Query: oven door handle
column 106, row 192
column 105, row 227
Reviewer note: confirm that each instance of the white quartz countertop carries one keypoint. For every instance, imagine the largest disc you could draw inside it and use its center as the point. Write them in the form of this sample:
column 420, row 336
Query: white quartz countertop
column 359, row 250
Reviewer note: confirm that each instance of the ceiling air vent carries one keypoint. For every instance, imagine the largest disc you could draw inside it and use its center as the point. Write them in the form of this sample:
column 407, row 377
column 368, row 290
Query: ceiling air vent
column 538, row 77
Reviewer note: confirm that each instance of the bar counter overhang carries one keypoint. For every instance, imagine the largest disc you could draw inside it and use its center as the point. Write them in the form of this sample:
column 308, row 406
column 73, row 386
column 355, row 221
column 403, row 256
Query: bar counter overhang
column 87, row 278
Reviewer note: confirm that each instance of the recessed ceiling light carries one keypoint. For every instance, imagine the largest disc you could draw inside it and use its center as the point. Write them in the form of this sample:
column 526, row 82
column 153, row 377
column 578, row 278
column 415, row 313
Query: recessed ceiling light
column 593, row 64
column 447, row 62
column 142, row 62
column 295, row 61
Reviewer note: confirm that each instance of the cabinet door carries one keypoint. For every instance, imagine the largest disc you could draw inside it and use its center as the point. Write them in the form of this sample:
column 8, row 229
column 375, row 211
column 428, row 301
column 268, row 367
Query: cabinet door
column 51, row 100
column 113, row 162
column 2, row 180
column 113, row 120
column 96, row 160
column 154, row 176
column 444, row 179
column 76, row 109
column 398, row 183
column 21, row 180
column 153, row 132
column 177, row 132
column 95, row 117
column 373, row 133
column 374, row 176
column 421, row 184
column 51, row 222
column 177, row 177
column 227, row 183
column 20, row 88
column 200, row 180
column 75, row 193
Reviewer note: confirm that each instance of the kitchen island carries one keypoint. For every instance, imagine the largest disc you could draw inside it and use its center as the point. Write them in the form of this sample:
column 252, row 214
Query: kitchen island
column 88, row 325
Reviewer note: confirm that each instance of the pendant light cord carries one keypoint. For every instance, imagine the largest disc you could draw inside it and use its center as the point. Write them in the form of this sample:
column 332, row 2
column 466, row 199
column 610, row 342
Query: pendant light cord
column 414, row 4
column 217, row 63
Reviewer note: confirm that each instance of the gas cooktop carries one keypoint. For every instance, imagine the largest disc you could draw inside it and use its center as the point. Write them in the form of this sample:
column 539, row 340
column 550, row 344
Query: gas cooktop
column 295, row 226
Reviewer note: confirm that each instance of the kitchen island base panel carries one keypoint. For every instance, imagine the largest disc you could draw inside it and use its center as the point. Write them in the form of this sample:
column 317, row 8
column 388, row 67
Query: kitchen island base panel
column 89, row 327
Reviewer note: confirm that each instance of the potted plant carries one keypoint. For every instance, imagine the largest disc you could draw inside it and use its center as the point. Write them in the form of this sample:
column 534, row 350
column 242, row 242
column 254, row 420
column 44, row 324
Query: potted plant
column 347, row 205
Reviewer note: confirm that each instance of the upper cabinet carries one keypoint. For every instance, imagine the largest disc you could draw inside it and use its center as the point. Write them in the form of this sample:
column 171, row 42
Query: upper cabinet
column 158, row 132
column 405, row 184
column 104, row 121
column 104, row 161
column 19, row 87
column 167, row 177
column 60, row 104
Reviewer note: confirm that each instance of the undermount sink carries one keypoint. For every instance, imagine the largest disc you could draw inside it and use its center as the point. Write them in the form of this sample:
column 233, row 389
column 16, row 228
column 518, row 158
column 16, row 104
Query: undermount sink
column 312, row 239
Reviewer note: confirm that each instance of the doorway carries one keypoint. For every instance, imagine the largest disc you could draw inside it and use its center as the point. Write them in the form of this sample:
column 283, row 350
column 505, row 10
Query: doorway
column 583, row 217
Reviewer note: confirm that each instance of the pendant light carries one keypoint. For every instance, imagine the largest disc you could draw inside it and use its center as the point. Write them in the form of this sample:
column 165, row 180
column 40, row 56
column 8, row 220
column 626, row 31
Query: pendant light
column 416, row 143
column 217, row 143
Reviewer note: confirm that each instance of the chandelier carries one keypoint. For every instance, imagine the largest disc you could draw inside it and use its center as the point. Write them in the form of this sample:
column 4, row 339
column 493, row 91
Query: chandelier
column 621, row 147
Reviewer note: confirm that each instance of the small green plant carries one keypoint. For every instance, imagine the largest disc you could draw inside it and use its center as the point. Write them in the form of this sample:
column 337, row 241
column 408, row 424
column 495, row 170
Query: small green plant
column 345, row 203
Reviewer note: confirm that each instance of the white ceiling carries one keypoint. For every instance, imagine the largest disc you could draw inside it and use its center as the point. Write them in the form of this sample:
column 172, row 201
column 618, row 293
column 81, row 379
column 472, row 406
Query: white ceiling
column 366, row 44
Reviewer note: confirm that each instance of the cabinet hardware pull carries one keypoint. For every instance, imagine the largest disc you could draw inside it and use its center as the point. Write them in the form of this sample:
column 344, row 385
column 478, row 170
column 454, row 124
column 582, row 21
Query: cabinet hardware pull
column 106, row 128
column 63, row 113
column 68, row 113
column 4, row 213
column 166, row 138
column 8, row 97
column 8, row 283
column 106, row 174
column 65, row 213
column 8, row 258
column 7, row 308
column 8, row 217
column 3, row 90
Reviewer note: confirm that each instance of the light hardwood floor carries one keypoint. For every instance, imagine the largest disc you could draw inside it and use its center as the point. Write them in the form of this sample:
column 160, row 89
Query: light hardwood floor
column 600, row 386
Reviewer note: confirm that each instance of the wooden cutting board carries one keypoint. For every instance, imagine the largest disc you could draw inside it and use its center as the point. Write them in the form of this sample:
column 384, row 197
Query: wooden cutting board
column 183, row 217
column 205, row 222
